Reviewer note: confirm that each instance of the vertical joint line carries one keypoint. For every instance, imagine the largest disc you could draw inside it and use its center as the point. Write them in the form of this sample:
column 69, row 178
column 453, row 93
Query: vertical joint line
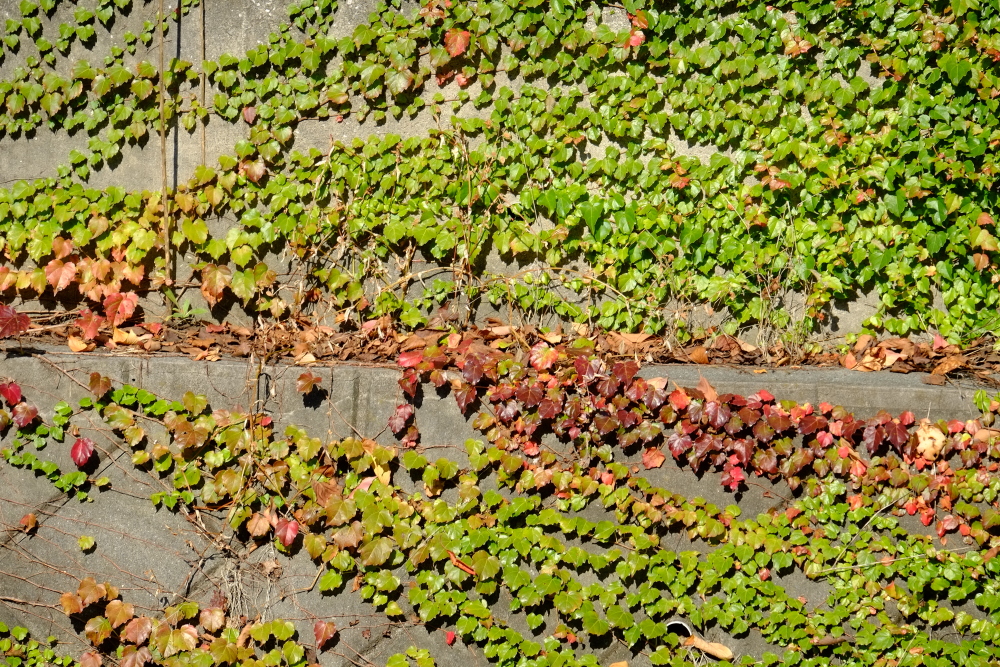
column 164, row 195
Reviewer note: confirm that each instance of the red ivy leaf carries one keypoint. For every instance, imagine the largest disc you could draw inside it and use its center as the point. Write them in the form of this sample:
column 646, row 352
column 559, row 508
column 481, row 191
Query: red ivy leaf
column 119, row 307
column 543, row 356
column 24, row 414
column 625, row 370
column 411, row 358
column 12, row 324
column 89, row 322
column 449, row 637
column 397, row 422
column 11, row 391
column 324, row 631
column 249, row 115
column 732, row 477
column 678, row 399
column 81, row 451
column 408, row 383
column 456, row 41
column 286, row 531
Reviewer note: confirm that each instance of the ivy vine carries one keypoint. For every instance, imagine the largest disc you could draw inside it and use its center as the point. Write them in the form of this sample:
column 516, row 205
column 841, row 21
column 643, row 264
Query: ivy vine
column 433, row 541
column 855, row 152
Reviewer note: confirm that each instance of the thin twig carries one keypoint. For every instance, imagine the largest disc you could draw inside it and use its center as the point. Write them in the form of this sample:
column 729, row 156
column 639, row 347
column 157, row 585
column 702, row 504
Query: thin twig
column 889, row 562
column 6, row 598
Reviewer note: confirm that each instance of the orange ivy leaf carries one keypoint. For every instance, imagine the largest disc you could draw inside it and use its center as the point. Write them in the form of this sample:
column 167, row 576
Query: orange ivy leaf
column 91, row 659
column 456, row 41
column 138, row 629
column 653, row 458
column 71, row 603
column 62, row 247
column 60, row 274
column 90, row 591
column 28, row 522
column 214, row 279
column 119, row 612
column 134, row 657
column 258, row 525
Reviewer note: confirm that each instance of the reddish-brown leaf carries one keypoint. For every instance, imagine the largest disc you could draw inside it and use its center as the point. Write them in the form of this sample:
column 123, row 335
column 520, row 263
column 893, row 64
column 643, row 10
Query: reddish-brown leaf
column 249, row 115
column 138, row 629
column 11, row 323
column 134, row 656
column 99, row 384
column 465, row 394
column 324, row 631
column 307, row 382
column 402, row 414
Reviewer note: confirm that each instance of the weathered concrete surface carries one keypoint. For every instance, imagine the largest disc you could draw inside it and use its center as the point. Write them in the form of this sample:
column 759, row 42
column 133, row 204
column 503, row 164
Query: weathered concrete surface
column 158, row 557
